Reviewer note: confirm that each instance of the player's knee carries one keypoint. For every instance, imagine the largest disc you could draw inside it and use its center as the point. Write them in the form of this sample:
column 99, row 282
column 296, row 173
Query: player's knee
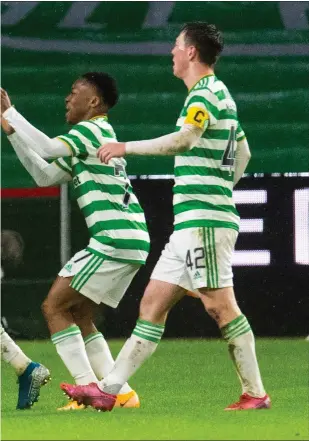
column 222, row 312
column 220, row 304
column 49, row 308
column 78, row 313
column 214, row 308
column 45, row 308
column 215, row 313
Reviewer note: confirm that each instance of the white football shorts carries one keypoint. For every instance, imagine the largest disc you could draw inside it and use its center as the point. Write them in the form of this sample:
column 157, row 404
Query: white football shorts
column 198, row 258
column 100, row 279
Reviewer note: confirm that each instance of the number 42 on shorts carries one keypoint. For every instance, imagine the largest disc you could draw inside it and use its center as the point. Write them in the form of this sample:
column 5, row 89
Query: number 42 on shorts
column 196, row 259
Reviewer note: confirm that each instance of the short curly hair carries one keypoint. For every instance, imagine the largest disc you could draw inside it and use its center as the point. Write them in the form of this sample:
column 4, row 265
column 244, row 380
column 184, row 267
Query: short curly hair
column 105, row 85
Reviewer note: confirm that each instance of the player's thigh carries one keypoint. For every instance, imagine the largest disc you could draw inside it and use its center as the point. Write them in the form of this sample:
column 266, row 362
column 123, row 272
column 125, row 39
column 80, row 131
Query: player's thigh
column 110, row 282
column 158, row 299
column 99, row 279
column 61, row 296
column 171, row 266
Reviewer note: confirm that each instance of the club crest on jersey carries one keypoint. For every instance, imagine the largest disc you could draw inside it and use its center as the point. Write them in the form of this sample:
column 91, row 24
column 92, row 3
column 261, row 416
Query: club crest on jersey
column 196, row 116
column 76, row 181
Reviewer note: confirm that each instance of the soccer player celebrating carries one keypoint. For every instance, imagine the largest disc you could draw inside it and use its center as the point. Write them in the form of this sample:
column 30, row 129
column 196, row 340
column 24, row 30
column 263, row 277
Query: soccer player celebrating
column 211, row 154
column 31, row 375
column 119, row 240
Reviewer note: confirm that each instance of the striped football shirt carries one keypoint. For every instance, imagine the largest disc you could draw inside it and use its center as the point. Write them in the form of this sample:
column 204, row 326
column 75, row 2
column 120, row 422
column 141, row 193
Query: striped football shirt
column 114, row 217
column 204, row 175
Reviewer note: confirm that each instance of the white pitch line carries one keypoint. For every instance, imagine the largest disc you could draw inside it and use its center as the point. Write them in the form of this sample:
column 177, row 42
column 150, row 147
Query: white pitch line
column 146, row 48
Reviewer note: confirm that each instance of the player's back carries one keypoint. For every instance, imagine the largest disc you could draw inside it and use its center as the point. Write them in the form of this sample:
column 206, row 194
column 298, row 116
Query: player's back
column 204, row 174
column 114, row 217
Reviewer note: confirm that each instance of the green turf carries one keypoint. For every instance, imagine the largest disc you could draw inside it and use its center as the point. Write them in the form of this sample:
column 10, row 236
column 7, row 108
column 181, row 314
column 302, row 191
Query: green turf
column 183, row 391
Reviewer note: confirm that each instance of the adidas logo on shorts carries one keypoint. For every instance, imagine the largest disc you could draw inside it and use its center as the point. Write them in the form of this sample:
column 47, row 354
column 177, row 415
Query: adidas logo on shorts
column 68, row 267
column 197, row 275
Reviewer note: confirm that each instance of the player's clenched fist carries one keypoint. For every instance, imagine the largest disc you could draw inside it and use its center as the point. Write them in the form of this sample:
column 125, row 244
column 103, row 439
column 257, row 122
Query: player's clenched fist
column 111, row 150
column 5, row 101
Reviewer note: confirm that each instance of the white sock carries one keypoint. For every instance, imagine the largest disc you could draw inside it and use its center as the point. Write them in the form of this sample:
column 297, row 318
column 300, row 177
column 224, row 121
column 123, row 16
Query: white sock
column 12, row 354
column 71, row 348
column 140, row 346
column 100, row 358
column 241, row 345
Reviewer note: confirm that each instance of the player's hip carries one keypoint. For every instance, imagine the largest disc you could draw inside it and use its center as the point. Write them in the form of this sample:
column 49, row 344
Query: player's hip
column 130, row 250
column 198, row 257
column 99, row 278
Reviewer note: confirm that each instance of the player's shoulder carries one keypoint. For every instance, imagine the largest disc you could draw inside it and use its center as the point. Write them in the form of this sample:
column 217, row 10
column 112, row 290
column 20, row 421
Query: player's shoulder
column 93, row 122
column 203, row 86
column 210, row 87
column 203, row 92
column 225, row 101
column 97, row 125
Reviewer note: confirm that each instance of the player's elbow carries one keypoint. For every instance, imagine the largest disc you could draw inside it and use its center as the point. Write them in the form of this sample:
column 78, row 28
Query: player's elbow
column 179, row 147
column 247, row 158
column 185, row 143
column 244, row 149
column 185, row 147
column 189, row 137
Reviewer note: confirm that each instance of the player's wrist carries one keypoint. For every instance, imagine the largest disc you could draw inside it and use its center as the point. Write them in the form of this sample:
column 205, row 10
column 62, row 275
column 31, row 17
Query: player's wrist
column 8, row 111
column 9, row 132
column 127, row 148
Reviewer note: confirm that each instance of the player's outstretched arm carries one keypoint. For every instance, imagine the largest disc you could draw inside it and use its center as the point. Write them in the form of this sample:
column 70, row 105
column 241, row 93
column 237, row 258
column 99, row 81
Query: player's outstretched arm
column 170, row 144
column 43, row 173
column 43, row 145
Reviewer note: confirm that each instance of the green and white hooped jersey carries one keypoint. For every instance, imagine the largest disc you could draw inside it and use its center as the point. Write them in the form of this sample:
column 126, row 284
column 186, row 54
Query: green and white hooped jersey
column 204, row 174
column 114, row 217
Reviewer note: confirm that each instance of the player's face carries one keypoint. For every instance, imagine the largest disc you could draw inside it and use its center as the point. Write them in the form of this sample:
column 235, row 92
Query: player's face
column 78, row 102
column 180, row 56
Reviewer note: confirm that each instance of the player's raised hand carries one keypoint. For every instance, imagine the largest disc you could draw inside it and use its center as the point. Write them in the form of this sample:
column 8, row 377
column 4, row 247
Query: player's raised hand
column 111, row 150
column 5, row 101
column 6, row 127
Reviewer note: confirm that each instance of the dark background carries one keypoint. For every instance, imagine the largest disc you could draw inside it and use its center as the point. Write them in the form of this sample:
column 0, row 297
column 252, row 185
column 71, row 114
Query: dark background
column 274, row 297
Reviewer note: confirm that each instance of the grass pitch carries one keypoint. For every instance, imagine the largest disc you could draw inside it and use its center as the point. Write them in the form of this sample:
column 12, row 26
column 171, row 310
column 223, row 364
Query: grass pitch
column 183, row 389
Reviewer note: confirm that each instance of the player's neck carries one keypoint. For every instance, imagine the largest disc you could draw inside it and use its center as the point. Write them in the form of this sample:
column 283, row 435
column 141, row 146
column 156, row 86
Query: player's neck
column 95, row 114
column 195, row 73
